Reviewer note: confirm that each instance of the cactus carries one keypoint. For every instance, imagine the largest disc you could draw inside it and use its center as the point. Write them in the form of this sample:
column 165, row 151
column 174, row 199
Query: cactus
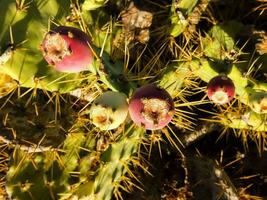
column 184, row 14
column 93, row 4
column 71, row 71
column 246, row 121
column 27, row 122
column 244, row 86
column 33, row 72
column 114, row 163
column 33, row 178
column 25, row 63
column 51, row 174
column 249, row 117
column 177, row 76
column 248, row 89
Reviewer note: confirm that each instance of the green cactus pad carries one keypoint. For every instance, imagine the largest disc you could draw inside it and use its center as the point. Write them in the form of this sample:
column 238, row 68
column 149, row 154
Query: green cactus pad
column 258, row 101
column 27, row 25
column 30, row 178
column 93, row 4
column 174, row 76
column 114, row 163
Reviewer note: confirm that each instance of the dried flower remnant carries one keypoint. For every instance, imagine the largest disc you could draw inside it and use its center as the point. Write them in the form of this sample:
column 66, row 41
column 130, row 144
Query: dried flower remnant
column 261, row 45
column 136, row 23
column 67, row 49
column 7, row 84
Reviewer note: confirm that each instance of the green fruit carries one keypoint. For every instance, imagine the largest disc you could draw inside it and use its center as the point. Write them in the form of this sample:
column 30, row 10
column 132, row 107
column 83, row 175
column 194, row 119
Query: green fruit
column 109, row 110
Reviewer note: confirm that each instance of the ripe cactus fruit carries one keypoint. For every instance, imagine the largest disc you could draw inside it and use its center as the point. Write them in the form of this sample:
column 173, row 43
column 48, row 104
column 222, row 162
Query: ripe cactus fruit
column 67, row 49
column 221, row 89
column 109, row 110
column 151, row 107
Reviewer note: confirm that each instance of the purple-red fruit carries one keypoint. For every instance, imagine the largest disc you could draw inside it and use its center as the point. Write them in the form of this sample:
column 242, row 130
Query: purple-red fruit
column 67, row 49
column 221, row 89
column 151, row 107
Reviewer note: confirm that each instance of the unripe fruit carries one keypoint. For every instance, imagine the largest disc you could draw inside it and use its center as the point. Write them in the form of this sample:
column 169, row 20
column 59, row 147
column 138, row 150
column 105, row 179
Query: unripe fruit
column 221, row 89
column 151, row 107
column 67, row 49
column 109, row 110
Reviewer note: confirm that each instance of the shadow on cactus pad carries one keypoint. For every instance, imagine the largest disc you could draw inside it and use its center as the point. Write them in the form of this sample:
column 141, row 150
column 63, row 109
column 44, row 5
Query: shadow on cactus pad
column 31, row 121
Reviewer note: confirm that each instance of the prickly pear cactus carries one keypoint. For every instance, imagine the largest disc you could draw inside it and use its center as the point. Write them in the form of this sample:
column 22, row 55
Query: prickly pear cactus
column 110, row 99
column 99, row 167
column 23, row 29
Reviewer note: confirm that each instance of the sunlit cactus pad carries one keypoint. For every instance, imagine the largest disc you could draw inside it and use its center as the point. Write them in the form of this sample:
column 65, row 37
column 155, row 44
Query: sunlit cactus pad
column 133, row 99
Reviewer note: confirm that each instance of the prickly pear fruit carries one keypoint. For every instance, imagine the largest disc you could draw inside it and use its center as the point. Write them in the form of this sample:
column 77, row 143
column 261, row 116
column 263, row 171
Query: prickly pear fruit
column 67, row 49
column 221, row 89
column 109, row 110
column 151, row 107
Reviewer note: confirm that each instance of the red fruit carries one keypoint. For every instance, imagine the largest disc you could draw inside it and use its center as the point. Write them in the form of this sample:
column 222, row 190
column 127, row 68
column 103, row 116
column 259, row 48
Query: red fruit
column 67, row 49
column 221, row 89
column 151, row 107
